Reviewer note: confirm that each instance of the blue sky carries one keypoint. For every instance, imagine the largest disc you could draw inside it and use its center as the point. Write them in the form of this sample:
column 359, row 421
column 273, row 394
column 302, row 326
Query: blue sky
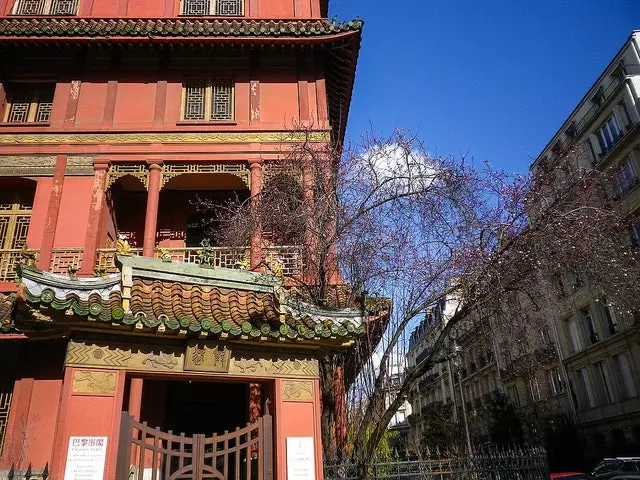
column 493, row 79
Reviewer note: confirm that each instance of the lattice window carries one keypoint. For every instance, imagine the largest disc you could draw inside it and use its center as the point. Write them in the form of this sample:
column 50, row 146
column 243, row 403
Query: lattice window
column 6, row 392
column 14, row 223
column 229, row 8
column 46, row 7
column 222, row 99
column 211, row 99
column 221, row 8
column 28, row 102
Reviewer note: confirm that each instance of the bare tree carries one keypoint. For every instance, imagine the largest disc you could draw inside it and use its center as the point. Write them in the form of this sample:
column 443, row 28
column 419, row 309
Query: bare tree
column 386, row 220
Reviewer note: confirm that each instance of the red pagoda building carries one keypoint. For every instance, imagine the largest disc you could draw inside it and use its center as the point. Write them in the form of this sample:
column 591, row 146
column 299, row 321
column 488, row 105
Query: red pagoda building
column 131, row 348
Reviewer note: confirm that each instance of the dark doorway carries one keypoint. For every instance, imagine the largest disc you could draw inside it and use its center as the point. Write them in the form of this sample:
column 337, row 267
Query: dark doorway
column 193, row 407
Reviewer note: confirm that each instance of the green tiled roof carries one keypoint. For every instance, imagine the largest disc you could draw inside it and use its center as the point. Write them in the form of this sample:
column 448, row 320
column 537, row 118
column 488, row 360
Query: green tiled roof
column 182, row 299
column 179, row 28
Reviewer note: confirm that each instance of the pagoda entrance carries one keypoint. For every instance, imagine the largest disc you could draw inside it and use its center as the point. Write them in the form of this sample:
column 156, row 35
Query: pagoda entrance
column 196, row 430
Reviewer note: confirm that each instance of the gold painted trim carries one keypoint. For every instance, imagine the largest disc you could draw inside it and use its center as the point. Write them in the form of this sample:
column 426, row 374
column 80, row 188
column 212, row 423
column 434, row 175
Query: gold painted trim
column 161, row 137
column 164, row 358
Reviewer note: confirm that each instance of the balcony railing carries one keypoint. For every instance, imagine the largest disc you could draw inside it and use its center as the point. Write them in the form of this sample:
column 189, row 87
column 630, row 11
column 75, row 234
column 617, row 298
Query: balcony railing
column 63, row 261
column 66, row 261
column 221, row 257
column 9, row 259
column 288, row 256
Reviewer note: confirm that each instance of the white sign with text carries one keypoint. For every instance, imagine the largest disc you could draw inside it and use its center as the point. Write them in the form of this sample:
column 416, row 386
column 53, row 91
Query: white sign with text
column 300, row 459
column 86, row 458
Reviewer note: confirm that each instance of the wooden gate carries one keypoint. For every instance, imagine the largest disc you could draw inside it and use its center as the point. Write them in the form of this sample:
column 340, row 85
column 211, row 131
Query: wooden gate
column 146, row 453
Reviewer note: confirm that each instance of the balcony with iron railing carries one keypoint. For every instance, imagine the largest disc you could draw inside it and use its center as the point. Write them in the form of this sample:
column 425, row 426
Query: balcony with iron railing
column 68, row 261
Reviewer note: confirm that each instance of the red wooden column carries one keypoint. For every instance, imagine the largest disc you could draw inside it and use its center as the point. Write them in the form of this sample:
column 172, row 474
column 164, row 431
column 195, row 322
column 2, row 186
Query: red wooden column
column 44, row 259
column 100, row 168
column 151, row 218
column 256, row 236
column 135, row 398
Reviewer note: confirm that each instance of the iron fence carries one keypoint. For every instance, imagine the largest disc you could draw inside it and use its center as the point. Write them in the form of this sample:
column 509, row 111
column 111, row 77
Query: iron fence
column 517, row 464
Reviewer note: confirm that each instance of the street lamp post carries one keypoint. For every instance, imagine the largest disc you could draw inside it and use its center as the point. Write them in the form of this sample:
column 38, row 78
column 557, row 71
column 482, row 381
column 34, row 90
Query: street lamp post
column 455, row 354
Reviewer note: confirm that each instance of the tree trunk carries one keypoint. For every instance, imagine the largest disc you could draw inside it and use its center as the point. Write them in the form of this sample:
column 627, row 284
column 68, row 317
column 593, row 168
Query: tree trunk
column 328, row 418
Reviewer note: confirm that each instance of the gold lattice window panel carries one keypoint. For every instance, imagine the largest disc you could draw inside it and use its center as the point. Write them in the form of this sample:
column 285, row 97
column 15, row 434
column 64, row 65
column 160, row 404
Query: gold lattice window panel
column 45, row 7
column 6, row 392
column 136, row 170
column 171, row 170
column 28, row 102
column 15, row 214
column 220, row 8
column 208, row 99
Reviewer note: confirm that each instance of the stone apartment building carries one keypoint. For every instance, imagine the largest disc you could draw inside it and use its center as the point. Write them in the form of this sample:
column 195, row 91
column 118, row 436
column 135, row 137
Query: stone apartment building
column 600, row 348
column 576, row 366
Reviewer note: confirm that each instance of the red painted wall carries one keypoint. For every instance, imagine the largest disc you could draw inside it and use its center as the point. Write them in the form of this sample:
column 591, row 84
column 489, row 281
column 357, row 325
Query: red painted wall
column 135, row 102
column 170, row 8
column 91, row 103
column 279, row 99
column 34, row 408
column 88, row 415
column 39, row 212
column 296, row 418
column 145, row 8
column 74, row 212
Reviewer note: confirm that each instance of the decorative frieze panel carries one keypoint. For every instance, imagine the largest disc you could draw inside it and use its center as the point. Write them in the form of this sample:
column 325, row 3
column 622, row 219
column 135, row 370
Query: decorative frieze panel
column 94, row 382
column 203, row 357
column 207, row 357
column 118, row 170
column 172, row 170
column 43, row 166
column 297, row 390
column 19, row 166
column 162, row 137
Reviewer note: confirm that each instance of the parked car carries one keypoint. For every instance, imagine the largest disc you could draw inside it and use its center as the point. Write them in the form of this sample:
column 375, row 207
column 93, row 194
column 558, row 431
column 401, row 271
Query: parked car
column 620, row 466
column 571, row 476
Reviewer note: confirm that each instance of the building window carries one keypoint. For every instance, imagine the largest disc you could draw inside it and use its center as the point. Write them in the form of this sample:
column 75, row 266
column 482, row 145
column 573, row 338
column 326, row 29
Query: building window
column 590, row 328
column 589, row 400
column 573, row 333
column 609, row 134
column 626, row 178
column 625, row 376
column 602, row 372
column 634, row 233
column 28, row 102
column 46, row 7
column 556, row 385
column 612, row 323
column 208, row 99
column 221, row 8
column 15, row 215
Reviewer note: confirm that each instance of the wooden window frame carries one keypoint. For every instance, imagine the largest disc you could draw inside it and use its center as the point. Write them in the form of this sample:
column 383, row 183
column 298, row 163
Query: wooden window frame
column 209, row 85
column 213, row 5
column 34, row 104
column 46, row 10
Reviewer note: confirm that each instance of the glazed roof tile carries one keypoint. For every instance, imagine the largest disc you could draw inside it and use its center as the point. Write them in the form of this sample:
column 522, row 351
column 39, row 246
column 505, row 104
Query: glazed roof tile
column 184, row 304
column 6, row 306
column 178, row 28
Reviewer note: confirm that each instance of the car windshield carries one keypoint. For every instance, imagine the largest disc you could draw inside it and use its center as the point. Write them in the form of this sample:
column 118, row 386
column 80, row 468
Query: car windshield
column 608, row 466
